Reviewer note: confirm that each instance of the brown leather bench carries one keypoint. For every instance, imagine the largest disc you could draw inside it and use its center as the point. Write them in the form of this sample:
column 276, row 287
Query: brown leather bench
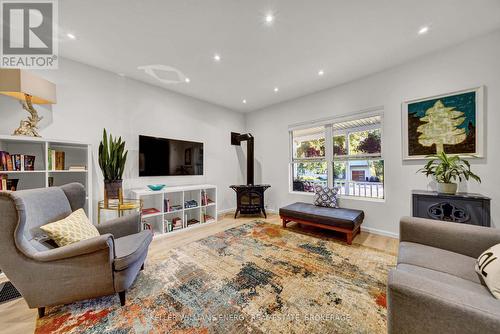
column 347, row 221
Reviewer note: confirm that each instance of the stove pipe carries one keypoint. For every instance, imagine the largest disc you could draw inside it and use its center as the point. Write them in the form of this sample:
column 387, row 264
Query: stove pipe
column 236, row 139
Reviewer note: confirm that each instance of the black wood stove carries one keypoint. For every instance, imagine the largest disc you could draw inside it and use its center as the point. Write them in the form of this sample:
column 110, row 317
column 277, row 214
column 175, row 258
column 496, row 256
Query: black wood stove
column 249, row 197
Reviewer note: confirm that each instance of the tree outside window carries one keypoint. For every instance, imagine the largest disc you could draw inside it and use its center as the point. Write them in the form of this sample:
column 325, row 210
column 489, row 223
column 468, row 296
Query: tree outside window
column 311, row 149
column 339, row 145
column 365, row 142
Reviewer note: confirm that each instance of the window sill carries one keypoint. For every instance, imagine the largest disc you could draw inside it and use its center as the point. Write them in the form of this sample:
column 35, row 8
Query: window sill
column 341, row 197
column 306, row 193
column 366, row 199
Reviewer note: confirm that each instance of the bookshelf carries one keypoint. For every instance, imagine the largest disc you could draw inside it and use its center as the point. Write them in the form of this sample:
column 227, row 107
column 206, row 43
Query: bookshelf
column 75, row 154
column 178, row 208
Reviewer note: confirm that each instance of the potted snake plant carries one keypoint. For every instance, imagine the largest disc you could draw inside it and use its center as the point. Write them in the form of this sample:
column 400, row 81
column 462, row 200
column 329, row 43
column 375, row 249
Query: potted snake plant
column 446, row 169
column 112, row 158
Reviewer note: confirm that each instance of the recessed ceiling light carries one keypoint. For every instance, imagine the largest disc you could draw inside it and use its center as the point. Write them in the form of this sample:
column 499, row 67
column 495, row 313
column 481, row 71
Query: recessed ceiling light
column 321, row 72
column 71, row 36
column 217, row 57
column 276, row 89
column 424, row 30
column 269, row 18
column 187, row 80
column 244, row 101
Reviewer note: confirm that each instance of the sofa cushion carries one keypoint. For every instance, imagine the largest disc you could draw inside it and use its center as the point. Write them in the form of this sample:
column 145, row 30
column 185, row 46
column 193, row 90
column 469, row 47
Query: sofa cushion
column 419, row 304
column 130, row 248
column 445, row 278
column 325, row 196
column 488, row 267
column 438, row 259
column 347, row 218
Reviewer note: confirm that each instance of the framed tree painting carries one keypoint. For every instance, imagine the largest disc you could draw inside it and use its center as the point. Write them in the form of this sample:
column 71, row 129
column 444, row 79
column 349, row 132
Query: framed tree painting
column 450, row 123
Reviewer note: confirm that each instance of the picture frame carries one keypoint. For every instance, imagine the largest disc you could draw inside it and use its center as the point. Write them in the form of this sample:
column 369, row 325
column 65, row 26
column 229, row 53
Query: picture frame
column 451, row 122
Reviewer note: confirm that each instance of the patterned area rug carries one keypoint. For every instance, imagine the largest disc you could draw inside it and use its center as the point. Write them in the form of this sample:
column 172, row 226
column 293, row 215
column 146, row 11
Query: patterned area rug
column 255, row 278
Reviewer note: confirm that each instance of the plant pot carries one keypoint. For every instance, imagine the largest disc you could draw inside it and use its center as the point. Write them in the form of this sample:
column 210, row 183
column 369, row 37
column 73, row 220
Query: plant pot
column 447, row 188
column 112, row 189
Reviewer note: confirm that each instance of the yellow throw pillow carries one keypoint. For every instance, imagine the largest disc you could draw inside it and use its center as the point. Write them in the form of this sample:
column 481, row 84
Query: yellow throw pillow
column 74, row 228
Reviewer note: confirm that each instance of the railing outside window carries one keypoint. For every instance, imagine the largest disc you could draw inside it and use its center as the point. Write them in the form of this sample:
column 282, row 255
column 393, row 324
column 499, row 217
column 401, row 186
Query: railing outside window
column 360, row 189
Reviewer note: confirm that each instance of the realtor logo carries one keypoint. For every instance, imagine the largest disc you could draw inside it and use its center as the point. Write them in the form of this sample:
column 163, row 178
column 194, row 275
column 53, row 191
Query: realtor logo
column 29, row 34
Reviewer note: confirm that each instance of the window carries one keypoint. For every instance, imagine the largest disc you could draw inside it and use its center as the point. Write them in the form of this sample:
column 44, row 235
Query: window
column 352, row 160
column 309, row 165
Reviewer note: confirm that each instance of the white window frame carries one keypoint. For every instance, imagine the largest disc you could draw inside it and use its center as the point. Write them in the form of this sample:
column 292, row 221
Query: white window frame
column 293, row 160
column 329, row 156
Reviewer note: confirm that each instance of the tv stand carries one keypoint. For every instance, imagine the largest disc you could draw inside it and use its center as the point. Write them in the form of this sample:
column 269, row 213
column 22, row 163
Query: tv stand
column 174, row 209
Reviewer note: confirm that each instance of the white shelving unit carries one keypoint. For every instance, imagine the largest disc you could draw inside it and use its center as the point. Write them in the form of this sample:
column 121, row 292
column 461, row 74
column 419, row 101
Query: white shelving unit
column 178, row 209
column 76, row 153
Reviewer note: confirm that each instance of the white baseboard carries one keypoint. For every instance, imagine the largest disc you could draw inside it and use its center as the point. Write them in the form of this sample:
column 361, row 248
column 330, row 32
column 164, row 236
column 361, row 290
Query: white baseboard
column 367, row 229
column 221, row 212
column 232, row 210
column 380, row 232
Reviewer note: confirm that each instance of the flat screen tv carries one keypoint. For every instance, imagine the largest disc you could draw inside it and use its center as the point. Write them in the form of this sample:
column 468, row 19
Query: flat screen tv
column 169, row 157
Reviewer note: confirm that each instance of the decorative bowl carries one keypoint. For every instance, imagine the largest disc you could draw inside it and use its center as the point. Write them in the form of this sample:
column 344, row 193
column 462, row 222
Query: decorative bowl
column 156, row 187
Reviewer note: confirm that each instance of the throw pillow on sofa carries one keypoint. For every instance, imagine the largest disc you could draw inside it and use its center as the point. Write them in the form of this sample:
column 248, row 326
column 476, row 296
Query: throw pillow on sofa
column 74, row 228
column 488, row 266
column 325, row 196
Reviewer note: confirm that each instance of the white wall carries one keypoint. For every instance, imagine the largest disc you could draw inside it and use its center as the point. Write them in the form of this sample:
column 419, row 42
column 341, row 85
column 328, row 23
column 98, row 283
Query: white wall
column 468, row 65
column 90, row 99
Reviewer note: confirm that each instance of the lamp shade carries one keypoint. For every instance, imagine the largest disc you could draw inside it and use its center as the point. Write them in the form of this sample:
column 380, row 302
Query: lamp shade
column 16, row 83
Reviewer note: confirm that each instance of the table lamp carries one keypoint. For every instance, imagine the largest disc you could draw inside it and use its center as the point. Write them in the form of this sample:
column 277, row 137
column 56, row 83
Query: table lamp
column 29, row 89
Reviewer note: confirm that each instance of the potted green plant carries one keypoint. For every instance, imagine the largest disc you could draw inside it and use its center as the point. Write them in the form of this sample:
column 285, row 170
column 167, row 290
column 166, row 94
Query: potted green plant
column 112, row 158
column 448, row 168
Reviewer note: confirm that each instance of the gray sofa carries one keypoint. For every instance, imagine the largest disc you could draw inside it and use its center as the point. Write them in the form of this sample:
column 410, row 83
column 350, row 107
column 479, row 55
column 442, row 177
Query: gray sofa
column 434, row 288
column 46, row 275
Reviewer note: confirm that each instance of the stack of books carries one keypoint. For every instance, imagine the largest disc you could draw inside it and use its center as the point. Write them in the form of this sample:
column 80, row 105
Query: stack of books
column 172, row 225
column 204, row 198
column 16, row 162
column 8, row 184
column 56, row 159
column 175, row 207
column 170, row 208
column 150, row 211
column 176, row 223
column 190, row 204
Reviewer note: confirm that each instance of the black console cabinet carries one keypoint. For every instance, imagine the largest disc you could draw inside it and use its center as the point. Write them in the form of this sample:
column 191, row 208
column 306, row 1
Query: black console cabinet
column 473, row 209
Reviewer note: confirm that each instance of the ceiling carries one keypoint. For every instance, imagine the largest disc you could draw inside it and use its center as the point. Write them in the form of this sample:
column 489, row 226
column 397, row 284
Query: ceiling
column 346, row 39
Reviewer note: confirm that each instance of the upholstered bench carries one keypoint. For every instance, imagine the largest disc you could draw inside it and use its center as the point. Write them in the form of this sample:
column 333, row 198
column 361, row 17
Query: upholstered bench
column 347, row 221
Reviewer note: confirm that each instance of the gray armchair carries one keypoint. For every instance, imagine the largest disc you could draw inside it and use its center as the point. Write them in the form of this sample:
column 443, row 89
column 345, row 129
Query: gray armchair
column 48, row 275
column 434, row 288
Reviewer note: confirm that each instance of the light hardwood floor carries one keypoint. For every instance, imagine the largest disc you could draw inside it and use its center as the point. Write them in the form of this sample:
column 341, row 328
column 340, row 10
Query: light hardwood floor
column 16, row 317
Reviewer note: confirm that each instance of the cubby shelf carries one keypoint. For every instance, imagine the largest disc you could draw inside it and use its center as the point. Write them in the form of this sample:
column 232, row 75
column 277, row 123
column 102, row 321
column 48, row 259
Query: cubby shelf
column 162, row 222
column 40, row 171
column 152, row 215
column 67, row 171
column 173, row 211
column 76, row 154
column 22, row 171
